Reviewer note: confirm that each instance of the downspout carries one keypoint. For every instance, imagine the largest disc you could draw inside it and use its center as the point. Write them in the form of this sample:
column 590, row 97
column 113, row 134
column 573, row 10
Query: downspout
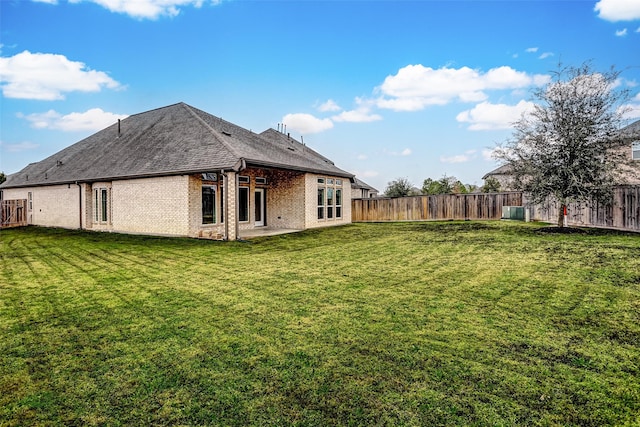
column 79, row 202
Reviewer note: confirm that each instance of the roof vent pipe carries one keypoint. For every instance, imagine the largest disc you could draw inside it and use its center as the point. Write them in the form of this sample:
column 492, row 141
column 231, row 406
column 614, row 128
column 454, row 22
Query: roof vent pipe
column 118, row 128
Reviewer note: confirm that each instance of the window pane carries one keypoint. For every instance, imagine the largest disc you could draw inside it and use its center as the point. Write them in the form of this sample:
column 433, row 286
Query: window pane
column 329, row 212
column 329, row 196
column 338, row 211
column 636, row 151
column 320, row 203
column 96, row 206
column 208, row 205
column 243, row 204
column 338, row 197
column 103, row 209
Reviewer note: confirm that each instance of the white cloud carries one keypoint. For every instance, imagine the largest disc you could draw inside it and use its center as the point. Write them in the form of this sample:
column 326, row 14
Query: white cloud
column 403, row 153
column 306, row 123
column 531, row 50
column 147, row 9
column 46, row 76
column 91, row 120
column 20, row 146
column 487, row 154
column 415, row 87
column 621, row 33
column 361, row 114
column 546, row 55
column 460, row 158
column 357, row 116
column 487, row 116
column 330, row 105
column 632, row 110
column 618, row 10
column 46, row 1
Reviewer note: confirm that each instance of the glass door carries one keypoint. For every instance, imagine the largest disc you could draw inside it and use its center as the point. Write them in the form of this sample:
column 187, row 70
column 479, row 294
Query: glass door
column 259, row 207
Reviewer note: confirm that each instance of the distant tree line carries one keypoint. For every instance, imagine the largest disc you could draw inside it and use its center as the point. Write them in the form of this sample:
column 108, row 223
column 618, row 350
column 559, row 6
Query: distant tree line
column 402, row 187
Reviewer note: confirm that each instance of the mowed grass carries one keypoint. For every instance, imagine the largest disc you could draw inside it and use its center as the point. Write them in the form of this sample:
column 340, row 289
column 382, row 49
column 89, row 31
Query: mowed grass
column 455, row 323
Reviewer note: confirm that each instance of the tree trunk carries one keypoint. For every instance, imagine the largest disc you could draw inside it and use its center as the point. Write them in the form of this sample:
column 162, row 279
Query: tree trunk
column 561, row 215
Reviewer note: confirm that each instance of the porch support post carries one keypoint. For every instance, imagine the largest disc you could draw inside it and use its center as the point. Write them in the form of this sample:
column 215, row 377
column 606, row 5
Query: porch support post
column 231, row 207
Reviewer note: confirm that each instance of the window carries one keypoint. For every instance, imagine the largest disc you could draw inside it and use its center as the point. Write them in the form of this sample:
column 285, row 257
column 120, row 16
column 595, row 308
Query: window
column 103, row 204
column 330, row 181
column 261, row 180
column 339, row 182
column 96, row 206
column 338, row 203
column 320, row 180
column 635, row 150
column 243, row 179
column 330, row 203
column 320, row 203
column 30, row 200
column 243, row 204
column 208, row 205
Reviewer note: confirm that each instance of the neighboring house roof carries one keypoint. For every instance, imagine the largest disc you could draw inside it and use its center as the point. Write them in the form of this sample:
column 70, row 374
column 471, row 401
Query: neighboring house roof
column 172, row 140
column 633, row 130
column 359, row 184
column 502, row 170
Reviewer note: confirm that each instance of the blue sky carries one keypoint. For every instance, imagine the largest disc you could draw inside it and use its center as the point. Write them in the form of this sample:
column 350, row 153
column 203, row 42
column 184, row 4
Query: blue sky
column 386, row 89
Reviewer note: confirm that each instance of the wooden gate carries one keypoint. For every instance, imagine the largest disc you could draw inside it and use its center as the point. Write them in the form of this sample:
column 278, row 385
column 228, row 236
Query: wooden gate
column 14, row 213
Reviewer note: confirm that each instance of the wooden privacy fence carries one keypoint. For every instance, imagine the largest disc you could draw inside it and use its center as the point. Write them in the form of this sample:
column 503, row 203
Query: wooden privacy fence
column 623, row 214
column 438, row 207
column 14, row 213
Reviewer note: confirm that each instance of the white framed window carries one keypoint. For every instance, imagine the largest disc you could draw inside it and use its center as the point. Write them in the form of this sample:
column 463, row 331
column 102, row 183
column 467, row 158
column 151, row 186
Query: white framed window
column 338, row 203
column 320, row 180
column 330, row 202
column 320, row 202
column 101, row 205
column 261, row 180
column 208, row 204
column 635, row 150
column 29, row 201
column 243, row 179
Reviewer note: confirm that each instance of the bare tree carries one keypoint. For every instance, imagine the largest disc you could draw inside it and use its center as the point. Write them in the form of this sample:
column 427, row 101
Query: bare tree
column 569, row 147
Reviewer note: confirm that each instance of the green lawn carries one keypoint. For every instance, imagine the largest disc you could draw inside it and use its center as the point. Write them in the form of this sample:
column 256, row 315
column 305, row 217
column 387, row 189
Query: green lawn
column 451, row 323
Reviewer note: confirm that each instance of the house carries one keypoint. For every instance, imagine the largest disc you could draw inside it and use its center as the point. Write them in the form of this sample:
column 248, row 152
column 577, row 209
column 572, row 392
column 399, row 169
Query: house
column 502, row 174
column 630, row 171
column 180, row 171
column 362, row 190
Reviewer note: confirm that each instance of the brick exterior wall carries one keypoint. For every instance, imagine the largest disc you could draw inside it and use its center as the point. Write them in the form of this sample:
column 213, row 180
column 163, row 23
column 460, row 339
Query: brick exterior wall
column 51, row 206
column 172, row 205
column 311, row 202
column 150, row 205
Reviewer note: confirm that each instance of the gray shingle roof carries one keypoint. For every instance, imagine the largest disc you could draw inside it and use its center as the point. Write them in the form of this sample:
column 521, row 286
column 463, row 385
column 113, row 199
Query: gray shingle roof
column 358, row 183
column 166, row 141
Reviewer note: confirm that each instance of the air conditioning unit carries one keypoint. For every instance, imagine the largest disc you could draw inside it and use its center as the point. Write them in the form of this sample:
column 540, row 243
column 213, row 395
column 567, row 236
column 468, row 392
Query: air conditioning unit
column 513, row 212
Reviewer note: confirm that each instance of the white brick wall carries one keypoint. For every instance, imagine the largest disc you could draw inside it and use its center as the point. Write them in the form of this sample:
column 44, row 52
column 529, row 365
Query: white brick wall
column 311, row 202
column 52, row 206
column 173, row 205
column 151, row 205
